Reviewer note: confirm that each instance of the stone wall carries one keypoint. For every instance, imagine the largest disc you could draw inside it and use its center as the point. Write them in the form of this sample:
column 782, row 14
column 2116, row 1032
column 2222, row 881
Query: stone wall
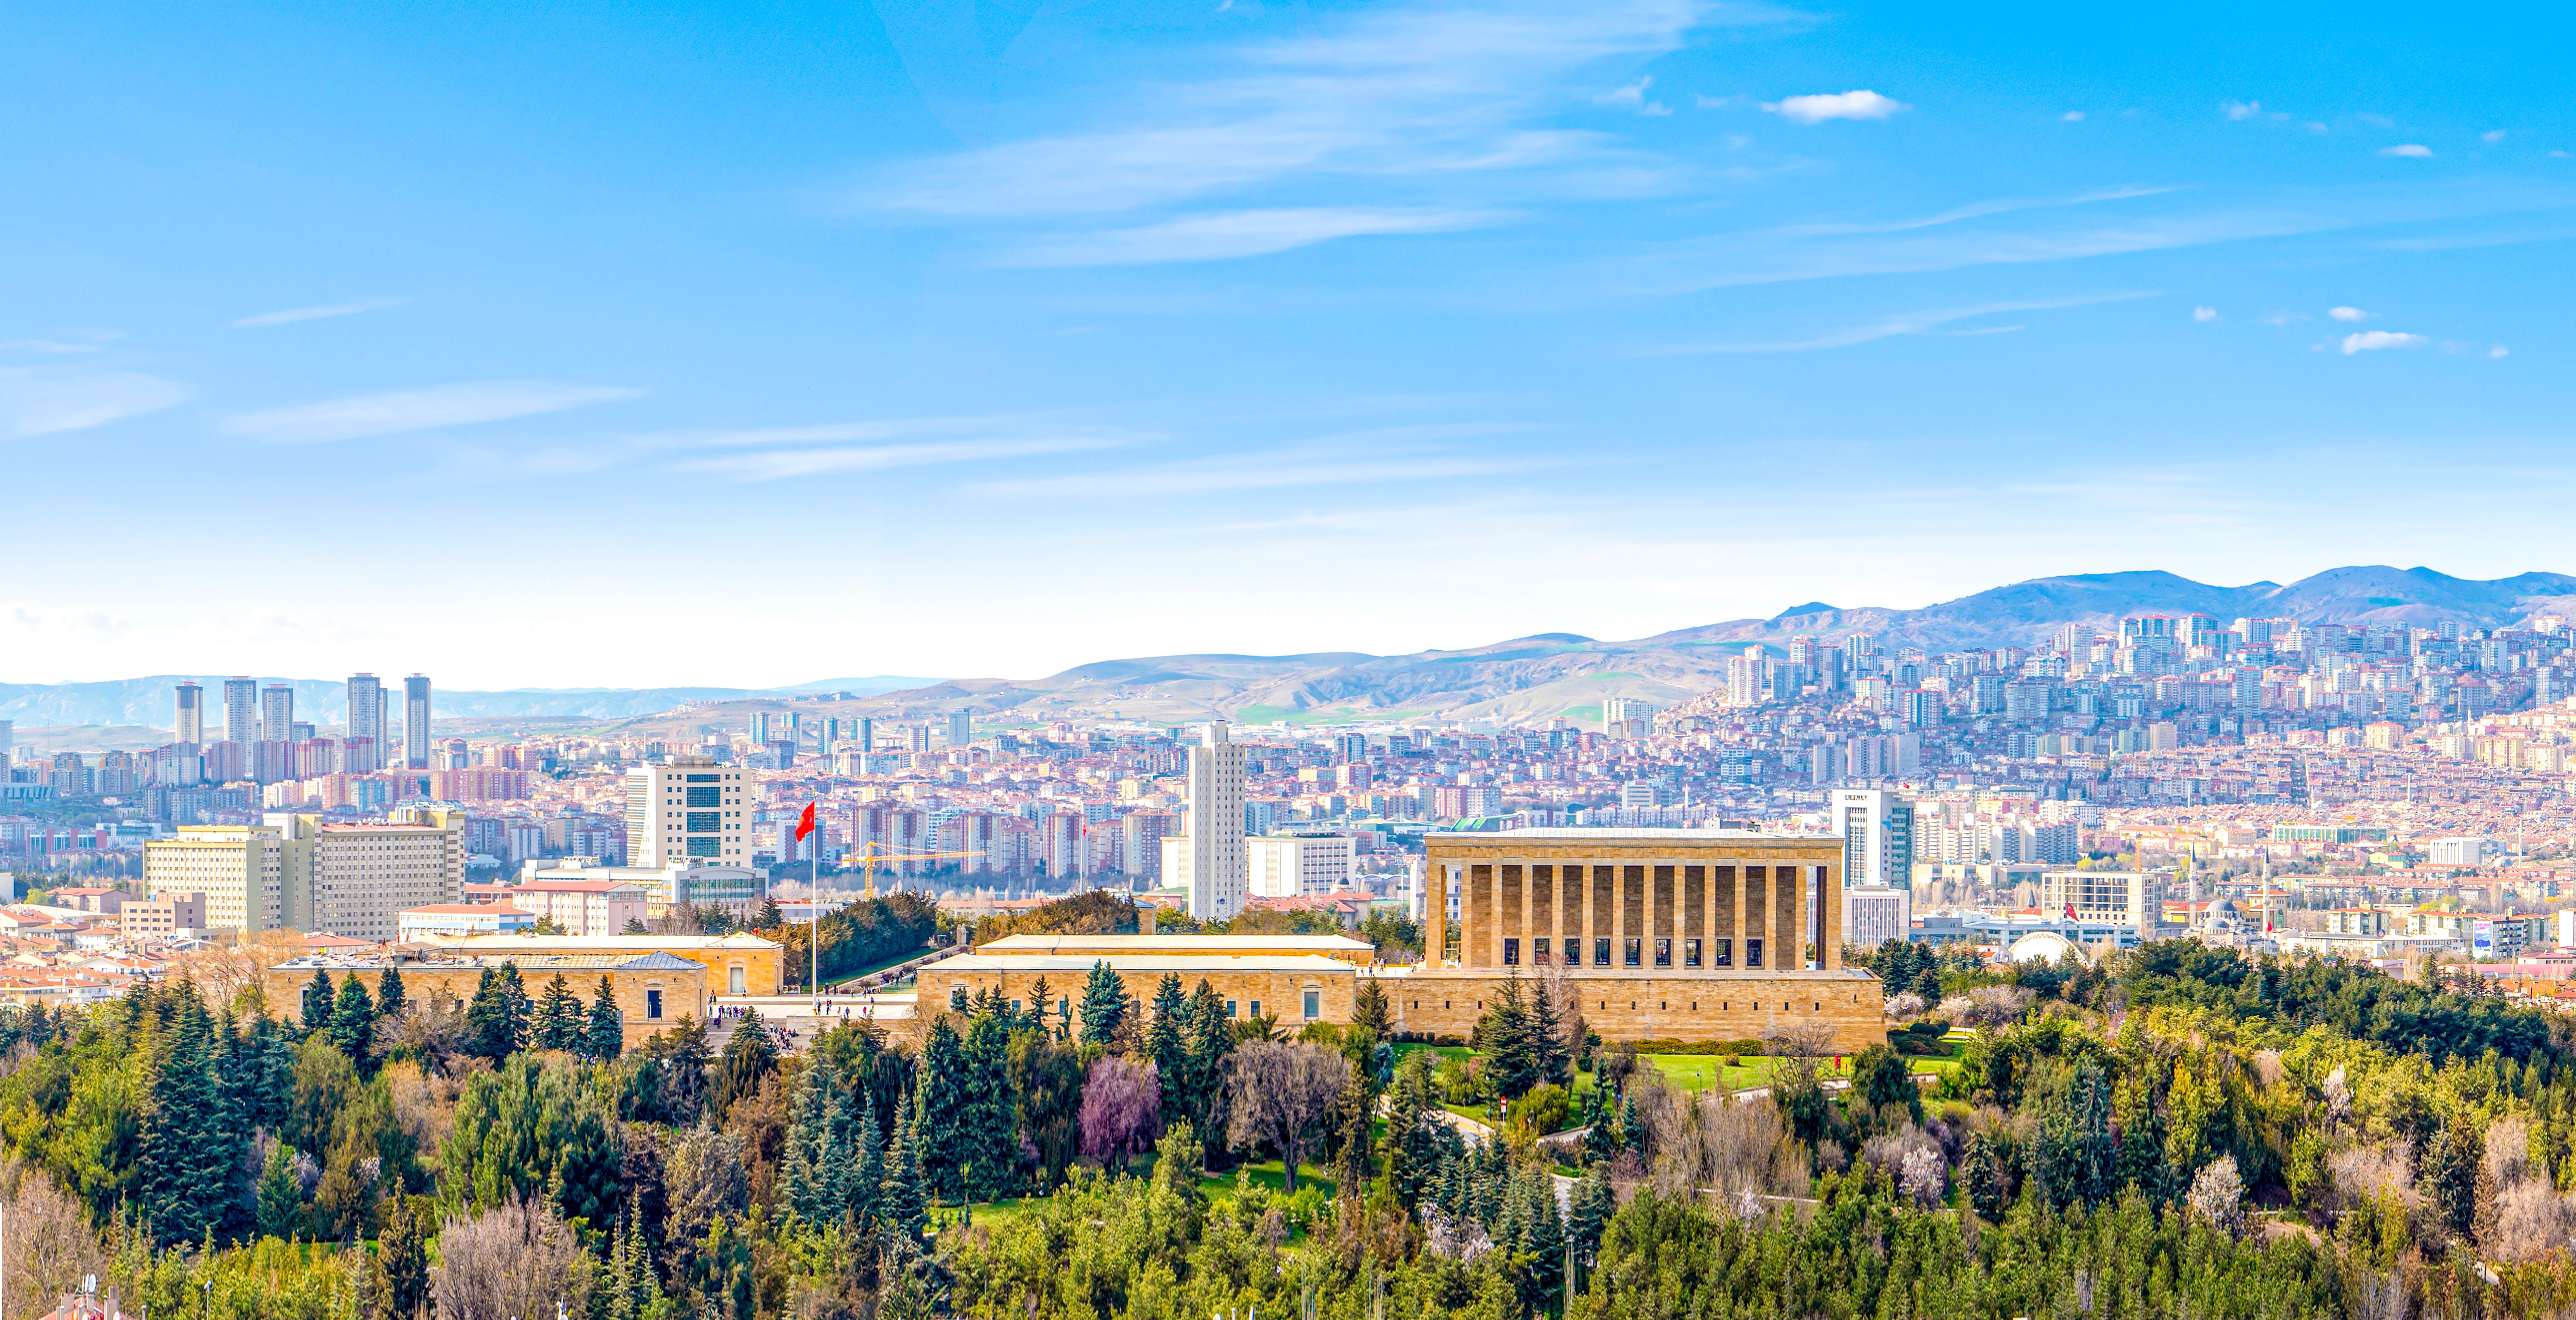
column 1647, row 1006
column 1279, row 993
column 684, row 994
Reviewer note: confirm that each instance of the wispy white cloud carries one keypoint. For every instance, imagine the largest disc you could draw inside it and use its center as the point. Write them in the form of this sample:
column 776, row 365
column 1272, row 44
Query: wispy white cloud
column 47, row 346
column 52, row 400
column 779, row 464
column 2412, row 150
column 1399, row 453
column 1405, row 95
column 2071, row 117
column 2204, row 314
column 291, row 315
column 2241, row 110
column 1633, row 97
column 1862, row 104
column 2348, row 314
column 2491, row 136
column 2368, row 340
column 2499, row 351
column 434, row 407
column 1907, row 323
column 1222, row 235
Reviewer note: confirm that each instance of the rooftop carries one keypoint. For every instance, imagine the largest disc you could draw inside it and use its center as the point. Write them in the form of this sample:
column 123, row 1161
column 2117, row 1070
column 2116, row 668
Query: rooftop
column 1198, row 945
column 474, row 944
column 1199, row 964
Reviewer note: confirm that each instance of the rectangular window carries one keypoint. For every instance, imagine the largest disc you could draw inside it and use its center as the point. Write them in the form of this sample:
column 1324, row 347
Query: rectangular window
column 1601, row 951
column 706, row 779
column 709, row 846
column 706, row 822
column 1229, row 1008
column 1723, row 955
column 1511, row 953
column 1690, row 953
column 1636, row 949
column 1314, row 1004
column 653, row 1004
column 1753, row 953
column 1663, row 953
column 706, row 797
column 1538, row 951
column 733, row 982
column 1256, row 1008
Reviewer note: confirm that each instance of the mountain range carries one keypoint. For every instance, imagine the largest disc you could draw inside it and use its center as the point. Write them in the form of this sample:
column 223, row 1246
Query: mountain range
column 1537, row 676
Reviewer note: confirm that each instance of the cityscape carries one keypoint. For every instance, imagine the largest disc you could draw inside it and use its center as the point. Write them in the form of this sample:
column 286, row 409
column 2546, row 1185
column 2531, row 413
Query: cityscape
column 1372, row 660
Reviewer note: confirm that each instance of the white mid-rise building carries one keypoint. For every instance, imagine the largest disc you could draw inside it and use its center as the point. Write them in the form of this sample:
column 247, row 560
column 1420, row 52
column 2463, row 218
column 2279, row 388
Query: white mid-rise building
column 296, row 872
column 690, row 811
column 1877, row 827
column 2116, row 897
column 240, row 869
column 1298, row 865
column 1216, row 861
column 1873, row 915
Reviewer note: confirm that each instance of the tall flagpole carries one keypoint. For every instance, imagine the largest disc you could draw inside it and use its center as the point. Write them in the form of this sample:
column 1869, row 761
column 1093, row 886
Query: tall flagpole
column 814, row 914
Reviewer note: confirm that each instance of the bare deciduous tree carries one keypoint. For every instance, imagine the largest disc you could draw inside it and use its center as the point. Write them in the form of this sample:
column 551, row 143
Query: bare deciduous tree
column 1122, row 1109
column 514, row 1261
column 50, row 1246
column 1282, row 1094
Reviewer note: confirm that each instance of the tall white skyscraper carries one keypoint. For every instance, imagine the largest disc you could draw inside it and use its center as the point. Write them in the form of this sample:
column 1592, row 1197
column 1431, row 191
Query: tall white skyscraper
column 416, row 749
column 1216, row 826
column 277, row 713
column 241, row 710
column 189, row 725
column 366, row 720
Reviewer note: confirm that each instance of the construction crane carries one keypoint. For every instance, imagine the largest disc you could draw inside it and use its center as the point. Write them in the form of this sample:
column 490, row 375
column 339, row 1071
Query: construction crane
column 870, row 856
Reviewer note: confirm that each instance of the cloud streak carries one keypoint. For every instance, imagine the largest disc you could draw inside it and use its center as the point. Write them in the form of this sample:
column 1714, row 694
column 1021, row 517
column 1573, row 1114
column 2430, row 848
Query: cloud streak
column 1862, row 105
column 2370, row 340
column 430, row 408
column 781, row 464
column 291, row 315
column 38, row 401
column 1223, row 235
column 1910, row 323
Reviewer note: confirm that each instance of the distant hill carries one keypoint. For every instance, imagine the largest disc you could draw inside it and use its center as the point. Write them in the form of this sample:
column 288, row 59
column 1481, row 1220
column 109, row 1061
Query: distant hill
column 324, row 701
column 1538, row 676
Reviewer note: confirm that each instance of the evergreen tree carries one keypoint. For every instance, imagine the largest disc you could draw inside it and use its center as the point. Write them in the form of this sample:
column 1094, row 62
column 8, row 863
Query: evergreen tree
column 867, row 1177
column 1038, row 996
column 1989, row 1192
column 903, row 1203
column 402, row 1249
column 1413, row 1146
column 938, row 1130
column 1540, row 1235
column 1203, row 1079
column 1166, row 1036
column 992, row 1145
column 389, row 993
column 802, row 1165
column 319, row 1001
column 558, row 1021
column 496, row 1022
column 749, row 1057
column 1504, row 1038
column 1372, row 1009
column 2450, row 1174
column 353, row 1021
column 185, row 1164
column 1104, row 1004
column 1592, row 1205
column 1550, row 1057
column 281, row 1195
column 605, row 1037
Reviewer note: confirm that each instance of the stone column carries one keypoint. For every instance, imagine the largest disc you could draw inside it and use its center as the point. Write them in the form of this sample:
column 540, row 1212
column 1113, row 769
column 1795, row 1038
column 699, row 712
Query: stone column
column 1435, row 910
column 1829, row 949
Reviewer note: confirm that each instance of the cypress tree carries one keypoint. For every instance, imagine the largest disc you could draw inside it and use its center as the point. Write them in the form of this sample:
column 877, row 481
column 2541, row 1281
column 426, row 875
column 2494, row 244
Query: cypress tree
column 992, row 1143
column 353, row 1021
column 559, row 1019
column 318, row 1002
column 605, row 1037
column 1104, row 1004
column 389, row 993
column 403, row 1251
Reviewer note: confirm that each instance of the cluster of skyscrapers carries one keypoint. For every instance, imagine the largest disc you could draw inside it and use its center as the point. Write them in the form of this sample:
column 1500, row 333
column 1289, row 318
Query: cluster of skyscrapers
column 261, row 739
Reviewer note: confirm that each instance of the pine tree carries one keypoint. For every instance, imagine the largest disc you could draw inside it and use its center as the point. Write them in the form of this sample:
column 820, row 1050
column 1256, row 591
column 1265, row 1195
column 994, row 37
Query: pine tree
column 800, row 1166
column 558, row 1017
column 281, row 1195
column 1988, row 1193
column 1593, row 1202
column 319, row 1002
column 1550, row 1058
column 353, row 1021
column 1503, row 1037
column 1372, row 1009
column 605, row 1037
column 496, row 1023
column 1165, row 1036
column 186, row 1162
column 902, row 1205
column 1104, row 1004
column 992, row 1147
column 749, row 1057
column 1038, row 996
column 867, row 1178
column 389, row 993
column 939, row 1119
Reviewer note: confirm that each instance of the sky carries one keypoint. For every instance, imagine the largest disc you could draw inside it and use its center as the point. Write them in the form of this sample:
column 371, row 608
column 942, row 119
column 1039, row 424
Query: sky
column 553, row 345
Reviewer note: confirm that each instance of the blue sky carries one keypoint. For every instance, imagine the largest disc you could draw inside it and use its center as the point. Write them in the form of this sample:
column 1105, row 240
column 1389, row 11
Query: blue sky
column 559, row 345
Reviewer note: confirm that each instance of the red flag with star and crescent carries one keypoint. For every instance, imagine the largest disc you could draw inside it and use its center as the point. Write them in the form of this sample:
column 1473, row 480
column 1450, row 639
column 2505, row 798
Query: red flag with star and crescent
column 805, row 823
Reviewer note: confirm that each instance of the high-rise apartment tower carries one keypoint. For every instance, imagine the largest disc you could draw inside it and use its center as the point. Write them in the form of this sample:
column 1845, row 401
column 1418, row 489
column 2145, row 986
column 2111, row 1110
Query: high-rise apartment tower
column 1216, row 826
column 189, row 724
column 416, row 748
column 367, row 720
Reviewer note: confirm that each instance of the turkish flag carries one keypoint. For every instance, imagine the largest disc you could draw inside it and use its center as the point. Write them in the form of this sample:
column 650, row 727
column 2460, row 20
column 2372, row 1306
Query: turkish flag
column 805, row 823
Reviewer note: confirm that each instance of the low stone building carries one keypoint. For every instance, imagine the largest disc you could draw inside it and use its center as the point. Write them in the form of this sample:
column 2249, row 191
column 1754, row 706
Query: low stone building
column 655, row 991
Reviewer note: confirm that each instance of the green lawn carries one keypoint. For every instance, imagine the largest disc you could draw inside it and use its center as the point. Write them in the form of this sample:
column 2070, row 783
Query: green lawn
column 1218, row 1188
